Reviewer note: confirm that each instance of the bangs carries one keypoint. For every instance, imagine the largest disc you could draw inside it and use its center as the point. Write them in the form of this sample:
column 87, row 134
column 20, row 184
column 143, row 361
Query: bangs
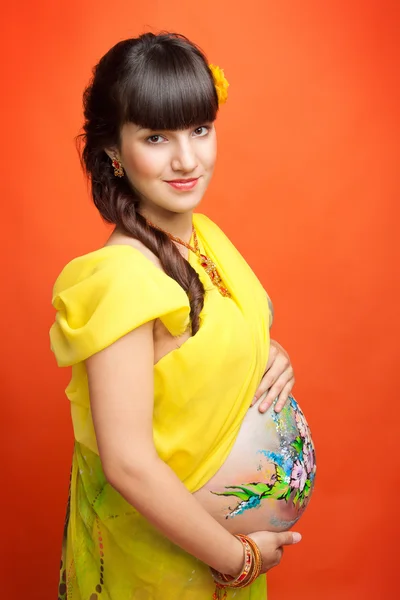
column 169, row 90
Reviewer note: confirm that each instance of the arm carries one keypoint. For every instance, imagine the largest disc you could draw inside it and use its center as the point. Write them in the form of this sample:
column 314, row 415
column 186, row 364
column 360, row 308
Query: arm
column 121, row 394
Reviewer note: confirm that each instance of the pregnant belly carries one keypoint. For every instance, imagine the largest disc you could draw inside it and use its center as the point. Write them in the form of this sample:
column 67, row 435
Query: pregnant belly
column 268, row 478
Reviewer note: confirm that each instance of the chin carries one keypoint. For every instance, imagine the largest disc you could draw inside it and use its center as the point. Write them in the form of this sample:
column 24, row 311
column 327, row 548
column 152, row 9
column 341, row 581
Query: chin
column 174, row 202
column 184, row 204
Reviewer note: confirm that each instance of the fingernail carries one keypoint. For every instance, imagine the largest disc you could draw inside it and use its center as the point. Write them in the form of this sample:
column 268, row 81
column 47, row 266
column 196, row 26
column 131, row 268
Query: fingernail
column 296, row 537
column 253, row 401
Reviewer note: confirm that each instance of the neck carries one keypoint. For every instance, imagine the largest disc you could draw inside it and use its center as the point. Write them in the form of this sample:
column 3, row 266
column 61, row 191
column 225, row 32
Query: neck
column 179, row 225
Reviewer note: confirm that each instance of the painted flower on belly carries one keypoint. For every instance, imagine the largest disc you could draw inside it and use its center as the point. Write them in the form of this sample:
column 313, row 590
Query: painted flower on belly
column 308, row 456
column 299, row 476
column 294, row 466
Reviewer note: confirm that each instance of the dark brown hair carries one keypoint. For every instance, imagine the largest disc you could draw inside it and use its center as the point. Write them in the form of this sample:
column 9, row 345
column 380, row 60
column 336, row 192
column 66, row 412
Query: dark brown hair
column 158, row 82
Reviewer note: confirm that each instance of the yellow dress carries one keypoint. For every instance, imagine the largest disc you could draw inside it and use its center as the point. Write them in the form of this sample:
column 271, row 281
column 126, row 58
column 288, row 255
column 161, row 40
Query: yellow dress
column 202, row 392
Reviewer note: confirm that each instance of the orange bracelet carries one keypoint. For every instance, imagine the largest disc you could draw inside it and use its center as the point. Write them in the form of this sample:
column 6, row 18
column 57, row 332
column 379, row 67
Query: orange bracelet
column 257, row 561
column 256, row 565
column 224, row 580
column 251, row 570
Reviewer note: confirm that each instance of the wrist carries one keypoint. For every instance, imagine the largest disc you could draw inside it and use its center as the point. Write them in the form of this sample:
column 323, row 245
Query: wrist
column 235, row 558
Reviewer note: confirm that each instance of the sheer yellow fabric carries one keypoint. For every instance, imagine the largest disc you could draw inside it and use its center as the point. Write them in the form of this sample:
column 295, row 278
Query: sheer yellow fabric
column 202, row 392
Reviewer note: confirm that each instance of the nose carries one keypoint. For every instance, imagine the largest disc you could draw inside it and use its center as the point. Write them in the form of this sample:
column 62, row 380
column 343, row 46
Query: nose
column 184, row 158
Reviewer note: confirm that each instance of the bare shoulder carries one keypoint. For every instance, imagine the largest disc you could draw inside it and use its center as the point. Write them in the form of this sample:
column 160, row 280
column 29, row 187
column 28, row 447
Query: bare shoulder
column 120, row 239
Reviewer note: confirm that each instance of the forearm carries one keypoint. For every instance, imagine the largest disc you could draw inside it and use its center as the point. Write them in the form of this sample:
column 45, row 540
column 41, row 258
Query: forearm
column 182, row 519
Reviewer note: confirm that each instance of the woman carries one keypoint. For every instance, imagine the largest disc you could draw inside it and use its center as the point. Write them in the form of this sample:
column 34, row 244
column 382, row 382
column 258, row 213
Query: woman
column 167, row 332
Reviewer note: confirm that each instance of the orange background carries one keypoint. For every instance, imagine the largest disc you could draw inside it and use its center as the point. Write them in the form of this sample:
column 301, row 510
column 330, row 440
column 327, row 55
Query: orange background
column 305, row 186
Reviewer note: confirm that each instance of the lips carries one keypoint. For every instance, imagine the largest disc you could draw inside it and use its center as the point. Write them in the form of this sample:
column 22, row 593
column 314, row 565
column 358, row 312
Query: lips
column 183, row 180
column 183, row 184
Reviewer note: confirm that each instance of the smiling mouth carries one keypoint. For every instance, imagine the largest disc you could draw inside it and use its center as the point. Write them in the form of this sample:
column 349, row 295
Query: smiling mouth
column 182, row 180
column 184, row 185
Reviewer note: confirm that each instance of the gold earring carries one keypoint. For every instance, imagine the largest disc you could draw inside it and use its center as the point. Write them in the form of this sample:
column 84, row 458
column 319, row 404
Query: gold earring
column 118, row 169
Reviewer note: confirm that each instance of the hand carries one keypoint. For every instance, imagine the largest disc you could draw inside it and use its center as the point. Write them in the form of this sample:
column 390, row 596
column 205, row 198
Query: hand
column 278, row 379
column 271, row 546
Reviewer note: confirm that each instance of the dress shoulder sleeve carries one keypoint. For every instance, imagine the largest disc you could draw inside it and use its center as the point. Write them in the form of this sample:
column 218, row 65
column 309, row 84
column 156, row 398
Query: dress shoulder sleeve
column 106, row 294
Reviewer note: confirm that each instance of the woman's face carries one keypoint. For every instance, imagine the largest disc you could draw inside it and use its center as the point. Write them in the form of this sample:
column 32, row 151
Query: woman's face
column 155, row 162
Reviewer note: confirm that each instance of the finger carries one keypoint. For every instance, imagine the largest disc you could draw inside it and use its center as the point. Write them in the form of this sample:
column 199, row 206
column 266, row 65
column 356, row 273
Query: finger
column 267, row 403
column 284, row 395
column 280, row 363
column 276, row 345
column 268, row 380
column 276, row 371
column 276, row 390
column 272, row 354
column 287, row 538
column 277, row 353
column 261, row 393
column 259, row 396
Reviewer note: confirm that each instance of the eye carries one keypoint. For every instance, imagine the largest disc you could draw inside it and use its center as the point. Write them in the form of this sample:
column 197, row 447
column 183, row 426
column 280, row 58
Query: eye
column 204, row 129
column 154, row 139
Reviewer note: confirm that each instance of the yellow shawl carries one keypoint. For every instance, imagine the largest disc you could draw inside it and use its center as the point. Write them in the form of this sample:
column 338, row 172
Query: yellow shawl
column 202, row 392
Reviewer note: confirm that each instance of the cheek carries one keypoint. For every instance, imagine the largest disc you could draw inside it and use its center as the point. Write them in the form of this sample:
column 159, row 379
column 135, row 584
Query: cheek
column 143, row 165
column 210, row 155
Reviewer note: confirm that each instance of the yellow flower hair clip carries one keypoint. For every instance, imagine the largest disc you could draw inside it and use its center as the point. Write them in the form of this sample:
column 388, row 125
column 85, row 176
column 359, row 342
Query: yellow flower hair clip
column 221, row 83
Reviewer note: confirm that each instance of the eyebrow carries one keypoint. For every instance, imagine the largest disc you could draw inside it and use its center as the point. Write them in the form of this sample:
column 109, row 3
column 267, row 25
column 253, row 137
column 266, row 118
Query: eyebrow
column 140, row 128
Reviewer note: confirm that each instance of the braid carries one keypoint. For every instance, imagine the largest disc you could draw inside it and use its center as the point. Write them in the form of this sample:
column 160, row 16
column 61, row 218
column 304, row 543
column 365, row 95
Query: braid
column 171, row 261
column 159, row 82
column 117, row 203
